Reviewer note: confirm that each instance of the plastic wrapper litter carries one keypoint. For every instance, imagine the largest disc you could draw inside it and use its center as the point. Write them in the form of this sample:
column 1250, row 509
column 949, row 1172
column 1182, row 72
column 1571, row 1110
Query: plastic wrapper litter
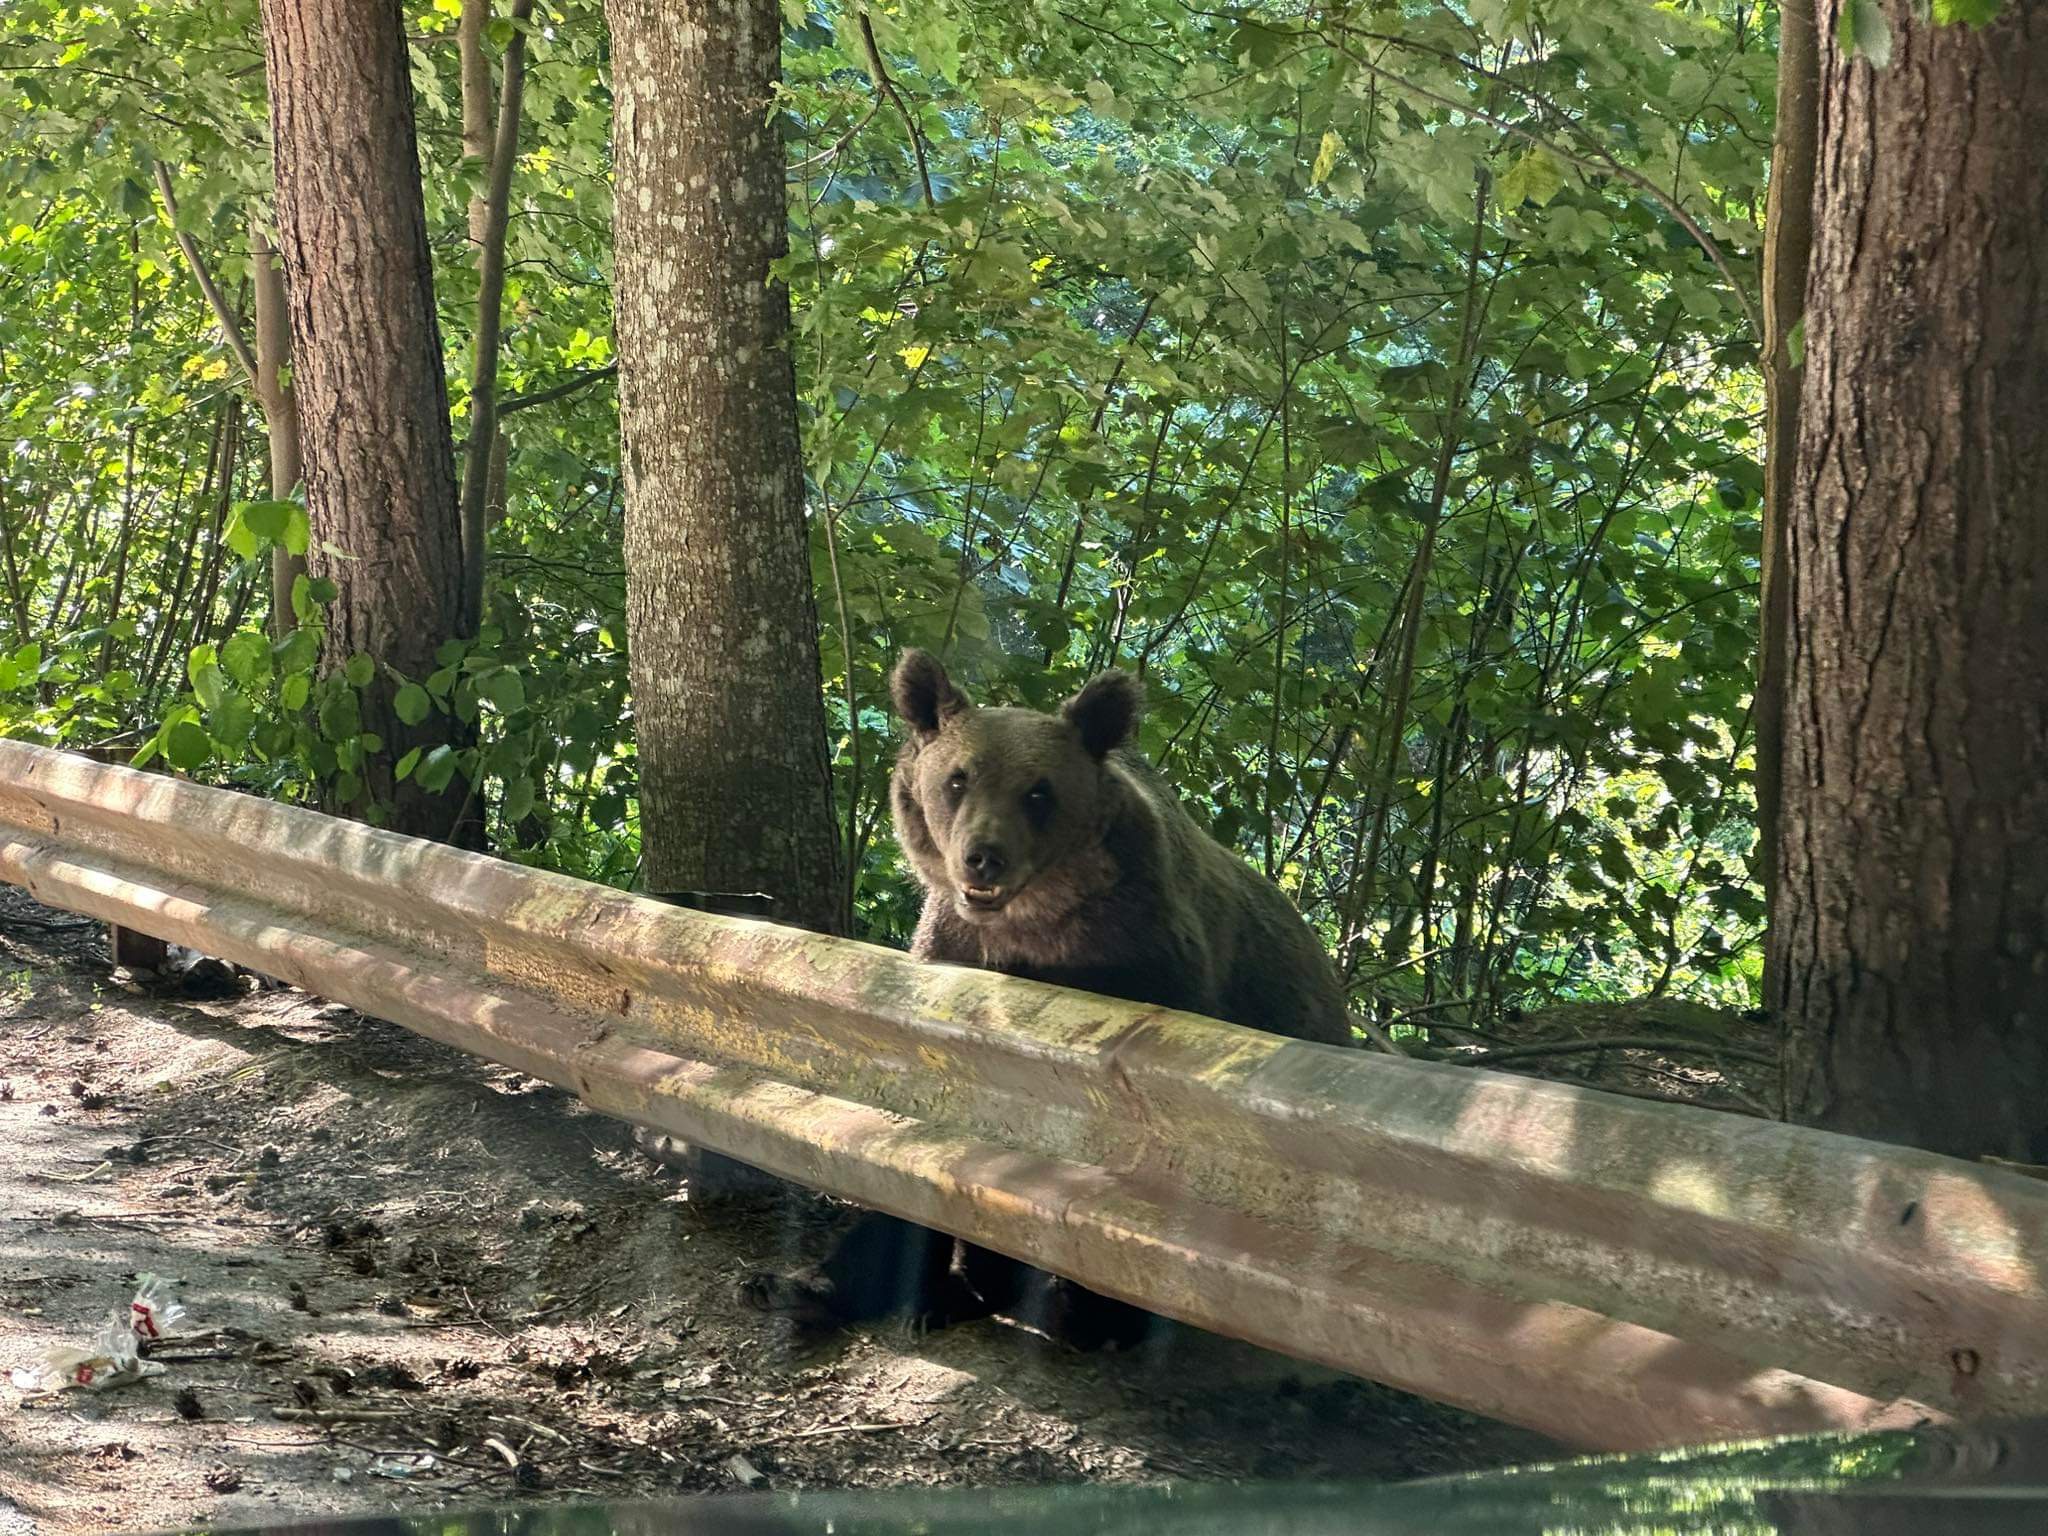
column 113, row 1356
column 111, row 1359
column 152, row 1314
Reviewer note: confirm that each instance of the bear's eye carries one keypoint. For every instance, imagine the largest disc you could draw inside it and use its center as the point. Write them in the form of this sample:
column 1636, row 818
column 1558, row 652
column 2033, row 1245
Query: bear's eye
column 1039, row 796
column 956, row 784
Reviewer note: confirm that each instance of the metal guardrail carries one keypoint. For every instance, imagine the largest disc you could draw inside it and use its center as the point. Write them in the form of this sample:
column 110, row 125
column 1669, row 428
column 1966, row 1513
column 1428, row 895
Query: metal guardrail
column 1613, row 1272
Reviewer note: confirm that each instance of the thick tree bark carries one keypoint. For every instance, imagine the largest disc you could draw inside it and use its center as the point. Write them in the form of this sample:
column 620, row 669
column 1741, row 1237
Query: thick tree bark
column 735, row 782
column 1788, row 248
column 366, row 352
column 1909, row 946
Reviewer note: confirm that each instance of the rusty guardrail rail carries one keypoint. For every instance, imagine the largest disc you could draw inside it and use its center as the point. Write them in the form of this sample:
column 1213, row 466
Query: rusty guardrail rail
column 1615, row 1272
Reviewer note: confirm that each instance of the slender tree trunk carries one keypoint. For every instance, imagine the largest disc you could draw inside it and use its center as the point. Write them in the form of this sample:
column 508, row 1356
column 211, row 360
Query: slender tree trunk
column 264, row 371
column 10, row 560
column 1395, row 720
column 1910, row 943
column 490, row 301
column 280, row 416
column 478, row 130
column 366, row 364
column 735, row 784
column 1788, row 245
column 477, row 111
column 17, row 599
column 180, row 550
column 212, row 548
column 124, row 530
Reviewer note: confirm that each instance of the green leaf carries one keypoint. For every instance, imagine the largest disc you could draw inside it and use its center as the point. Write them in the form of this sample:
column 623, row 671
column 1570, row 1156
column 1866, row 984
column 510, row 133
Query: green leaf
column 324, row 590
column 1535, row 178
column 1326, row 159
column 297, row 651
column 232, row 722
column 210, row 683
column 340, row 719
column 241, row 537
column 505, row 690
column 187, row 746
column 440, row 682
column 412, row 703
column 246, row 657
column 1795, row 343
column 1862, row 32
column 518, row 799
column 295, row 691
column 1975, row 13
column 267, row 519
column 360, row 670
column 347, row 786
column 298, row 531
column 304, row 609
column 406, row 764
column 439, row 767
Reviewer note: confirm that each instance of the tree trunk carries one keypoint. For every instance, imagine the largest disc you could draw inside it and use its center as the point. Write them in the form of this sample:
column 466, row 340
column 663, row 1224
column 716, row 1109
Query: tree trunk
column 1909, row 947
column 1788, row 248
column 735, row 781
column 490, row 302
column 366, row 364
column 280, row 416
column 477, row 103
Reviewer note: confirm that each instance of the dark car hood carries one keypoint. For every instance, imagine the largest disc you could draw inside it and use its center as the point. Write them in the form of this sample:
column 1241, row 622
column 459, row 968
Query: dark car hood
column 1927, row 1482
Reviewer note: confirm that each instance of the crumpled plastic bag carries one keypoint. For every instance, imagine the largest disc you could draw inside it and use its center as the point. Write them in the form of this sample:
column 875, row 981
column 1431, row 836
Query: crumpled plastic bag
column 111, row 1359
column 152, row 1314
column 113, row 1356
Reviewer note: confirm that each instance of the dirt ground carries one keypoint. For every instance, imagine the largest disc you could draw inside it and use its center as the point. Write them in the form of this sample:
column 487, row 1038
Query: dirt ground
column 415, row 1281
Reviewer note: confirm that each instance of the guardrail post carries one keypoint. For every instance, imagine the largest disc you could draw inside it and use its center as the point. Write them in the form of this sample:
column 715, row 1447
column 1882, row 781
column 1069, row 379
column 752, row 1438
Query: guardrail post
column 135, row 951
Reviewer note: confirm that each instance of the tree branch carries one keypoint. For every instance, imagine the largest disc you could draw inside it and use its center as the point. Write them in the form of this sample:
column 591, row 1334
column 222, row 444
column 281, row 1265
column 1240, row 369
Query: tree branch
column 1659, row 1043
column 553, row 392
column 1386, row 1042
column 842, row 141
column 888, row 88
column 230, row 327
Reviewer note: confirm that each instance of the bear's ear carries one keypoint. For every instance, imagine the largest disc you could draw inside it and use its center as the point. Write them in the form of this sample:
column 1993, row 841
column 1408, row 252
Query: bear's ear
column 925, row 697
column 1105, row 712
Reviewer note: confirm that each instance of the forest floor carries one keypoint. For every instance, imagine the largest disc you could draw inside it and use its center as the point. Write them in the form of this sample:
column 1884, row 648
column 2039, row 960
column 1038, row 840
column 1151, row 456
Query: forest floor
column 415, row 1280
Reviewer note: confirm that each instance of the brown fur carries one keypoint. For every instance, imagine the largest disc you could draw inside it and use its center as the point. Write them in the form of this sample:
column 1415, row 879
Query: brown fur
column 1106, row 883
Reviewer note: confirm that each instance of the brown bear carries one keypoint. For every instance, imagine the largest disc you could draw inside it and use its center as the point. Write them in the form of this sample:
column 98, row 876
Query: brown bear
column 1048, row 848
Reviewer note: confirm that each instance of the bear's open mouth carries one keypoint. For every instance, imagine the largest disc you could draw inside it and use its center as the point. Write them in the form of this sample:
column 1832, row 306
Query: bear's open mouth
column 984, row 898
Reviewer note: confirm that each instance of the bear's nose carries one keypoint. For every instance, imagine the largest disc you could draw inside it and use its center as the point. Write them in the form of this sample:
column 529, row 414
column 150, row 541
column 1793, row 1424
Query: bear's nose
column 985, row 862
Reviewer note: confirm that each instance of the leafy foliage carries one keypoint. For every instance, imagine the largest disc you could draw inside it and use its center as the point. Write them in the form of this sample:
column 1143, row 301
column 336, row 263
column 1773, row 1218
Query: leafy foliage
column 1378, row 382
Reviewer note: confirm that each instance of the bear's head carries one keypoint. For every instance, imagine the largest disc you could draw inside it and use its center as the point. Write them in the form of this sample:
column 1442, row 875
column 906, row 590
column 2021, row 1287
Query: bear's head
column 1003, row 811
